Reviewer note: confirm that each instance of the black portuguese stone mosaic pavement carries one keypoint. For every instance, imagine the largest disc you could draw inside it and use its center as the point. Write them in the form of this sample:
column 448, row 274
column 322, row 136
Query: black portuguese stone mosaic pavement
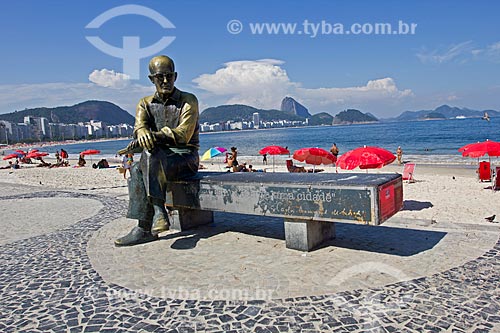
column 47, row 284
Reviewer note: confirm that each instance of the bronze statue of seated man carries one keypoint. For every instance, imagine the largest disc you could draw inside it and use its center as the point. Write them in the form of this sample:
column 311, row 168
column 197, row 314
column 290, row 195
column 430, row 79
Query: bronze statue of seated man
column 167, row 132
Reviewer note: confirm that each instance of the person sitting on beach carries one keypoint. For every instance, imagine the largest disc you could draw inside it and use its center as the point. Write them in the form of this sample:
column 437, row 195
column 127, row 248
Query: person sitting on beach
column 42, row 162
column 7, row 166
column 81, row 161
column 251, row 169
column 232, row 158
column 64, row 155
column 25, row 160
column 294, row 168
column 399, row 153
column 102, row 164
column 240, row 168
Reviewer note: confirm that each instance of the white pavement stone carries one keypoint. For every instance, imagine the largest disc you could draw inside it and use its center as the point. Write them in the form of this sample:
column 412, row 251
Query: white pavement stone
column 26, row 218
column 244, row 257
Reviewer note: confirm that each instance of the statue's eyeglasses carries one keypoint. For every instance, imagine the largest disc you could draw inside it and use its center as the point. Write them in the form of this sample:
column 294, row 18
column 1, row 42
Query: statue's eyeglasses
column 162, row 77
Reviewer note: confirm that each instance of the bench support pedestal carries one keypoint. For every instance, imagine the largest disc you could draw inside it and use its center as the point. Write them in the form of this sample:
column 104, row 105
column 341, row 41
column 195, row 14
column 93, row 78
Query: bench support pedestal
column 304, row 235
column 184, row 218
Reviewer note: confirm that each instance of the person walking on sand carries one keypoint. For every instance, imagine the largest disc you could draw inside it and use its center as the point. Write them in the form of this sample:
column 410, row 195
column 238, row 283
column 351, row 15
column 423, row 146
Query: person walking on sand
column 127, row 161
column 334, row 150
column 264, row 159
column 399, row 154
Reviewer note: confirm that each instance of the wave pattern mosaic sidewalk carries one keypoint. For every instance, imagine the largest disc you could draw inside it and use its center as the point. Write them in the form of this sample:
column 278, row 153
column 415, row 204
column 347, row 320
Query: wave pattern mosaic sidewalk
column 47, row 283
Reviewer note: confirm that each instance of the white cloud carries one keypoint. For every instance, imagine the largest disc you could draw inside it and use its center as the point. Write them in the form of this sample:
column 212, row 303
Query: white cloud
column 461, row 53
column 263, row 84
column 450, row 53
column 109, row 79
column 380, row 90
column 259, row 83
column 493, row 52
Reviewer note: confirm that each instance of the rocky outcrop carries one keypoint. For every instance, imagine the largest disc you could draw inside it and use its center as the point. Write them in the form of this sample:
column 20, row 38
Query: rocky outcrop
column 288, row 104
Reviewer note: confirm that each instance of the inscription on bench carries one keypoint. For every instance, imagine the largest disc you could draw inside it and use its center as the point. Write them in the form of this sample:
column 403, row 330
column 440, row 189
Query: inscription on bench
column 292, row 201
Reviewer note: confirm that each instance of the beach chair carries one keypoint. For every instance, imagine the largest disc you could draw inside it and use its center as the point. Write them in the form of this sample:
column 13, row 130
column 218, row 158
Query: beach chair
column 408, row 172
column 484, row 171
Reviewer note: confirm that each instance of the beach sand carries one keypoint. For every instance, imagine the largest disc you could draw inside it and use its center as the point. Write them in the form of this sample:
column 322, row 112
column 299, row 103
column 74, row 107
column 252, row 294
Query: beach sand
column 442, row 193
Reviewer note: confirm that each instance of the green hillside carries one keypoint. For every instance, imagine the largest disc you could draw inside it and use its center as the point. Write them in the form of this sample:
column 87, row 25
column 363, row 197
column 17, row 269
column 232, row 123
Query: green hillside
column 322, row 118
column 238, row 112
column 107, row 112
column 351, row 116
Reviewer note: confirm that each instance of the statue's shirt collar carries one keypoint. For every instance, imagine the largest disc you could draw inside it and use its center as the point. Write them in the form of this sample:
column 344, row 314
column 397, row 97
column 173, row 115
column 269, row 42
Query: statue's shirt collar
column 176, row 96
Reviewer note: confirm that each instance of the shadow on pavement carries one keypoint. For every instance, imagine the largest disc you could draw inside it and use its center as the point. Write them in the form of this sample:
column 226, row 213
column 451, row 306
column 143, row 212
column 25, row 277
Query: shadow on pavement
column 388, row 240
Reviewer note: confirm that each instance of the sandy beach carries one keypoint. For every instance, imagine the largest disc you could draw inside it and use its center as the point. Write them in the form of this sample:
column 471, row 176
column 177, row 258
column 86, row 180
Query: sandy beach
column 451, row 193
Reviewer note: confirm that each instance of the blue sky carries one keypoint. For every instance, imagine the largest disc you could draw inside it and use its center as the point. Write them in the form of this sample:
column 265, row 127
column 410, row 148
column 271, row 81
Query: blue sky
column 452, row 58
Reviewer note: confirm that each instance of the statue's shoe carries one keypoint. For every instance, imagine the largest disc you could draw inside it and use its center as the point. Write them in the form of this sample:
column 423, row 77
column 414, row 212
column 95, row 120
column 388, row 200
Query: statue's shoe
column 160, row 224
column 136, row 236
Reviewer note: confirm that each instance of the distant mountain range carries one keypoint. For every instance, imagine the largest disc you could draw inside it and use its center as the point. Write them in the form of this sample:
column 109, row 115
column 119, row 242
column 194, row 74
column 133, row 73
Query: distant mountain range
column 107, row 112
column 443, row 112
column 291, row 110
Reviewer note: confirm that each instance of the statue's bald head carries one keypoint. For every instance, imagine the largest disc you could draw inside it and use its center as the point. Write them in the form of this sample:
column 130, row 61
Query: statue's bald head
column 163, row 75
column 161, row 64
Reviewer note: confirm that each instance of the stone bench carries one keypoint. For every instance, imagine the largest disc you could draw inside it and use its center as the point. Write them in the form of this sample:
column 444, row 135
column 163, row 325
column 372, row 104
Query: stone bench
column 309, row 203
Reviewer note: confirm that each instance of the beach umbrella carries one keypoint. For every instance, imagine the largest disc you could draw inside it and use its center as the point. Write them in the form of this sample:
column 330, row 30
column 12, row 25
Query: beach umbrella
column 274, row 150
column 479, row 149
column 212, row 152
column 314, row 156
column 35, row 154
column 90, row 152
column 365, row 158
column 22, row 152
column 8, row 157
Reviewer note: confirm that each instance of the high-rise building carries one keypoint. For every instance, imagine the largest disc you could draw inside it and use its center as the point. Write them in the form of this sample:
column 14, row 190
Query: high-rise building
column 256, row 120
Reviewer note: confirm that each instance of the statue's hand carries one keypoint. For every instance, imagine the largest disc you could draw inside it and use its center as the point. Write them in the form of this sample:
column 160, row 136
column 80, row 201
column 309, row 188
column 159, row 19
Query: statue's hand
column 160, row 137
column 145, row 138
column 132, row 147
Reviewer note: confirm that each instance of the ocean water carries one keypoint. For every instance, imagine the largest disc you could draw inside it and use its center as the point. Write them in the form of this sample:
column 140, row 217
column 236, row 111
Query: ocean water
column 433, row 141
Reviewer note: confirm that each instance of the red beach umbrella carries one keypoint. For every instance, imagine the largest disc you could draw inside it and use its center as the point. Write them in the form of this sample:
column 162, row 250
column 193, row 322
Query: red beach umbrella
column 22, row 152
column 35, row 154
column 8, row 157
column 365, row 158
column 478, row 149
column 90, row 152
column 274, row 150
column 314, row 156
